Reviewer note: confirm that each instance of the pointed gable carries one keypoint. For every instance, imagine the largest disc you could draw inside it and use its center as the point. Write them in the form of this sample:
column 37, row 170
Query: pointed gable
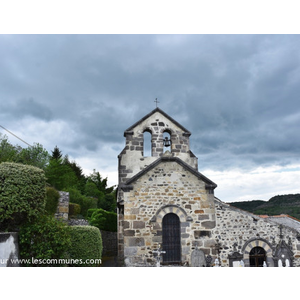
column 209, row 185
column 128, row 130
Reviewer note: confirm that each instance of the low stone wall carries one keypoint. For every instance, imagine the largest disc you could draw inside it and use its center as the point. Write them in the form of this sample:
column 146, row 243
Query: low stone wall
column 9, row 249
column 81, row 222
column 62, row 211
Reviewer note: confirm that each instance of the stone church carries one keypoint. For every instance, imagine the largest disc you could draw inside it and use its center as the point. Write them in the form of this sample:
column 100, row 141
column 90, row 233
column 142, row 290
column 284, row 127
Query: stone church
column 167, row 210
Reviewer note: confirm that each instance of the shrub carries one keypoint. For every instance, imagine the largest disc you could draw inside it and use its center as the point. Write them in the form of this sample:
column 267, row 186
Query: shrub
column 90, row 212
column 22, row 194
column 104, row 220
column 52, row 197
column 86, row 246
column 74, row 209
column 44, row 240
column 85, row 202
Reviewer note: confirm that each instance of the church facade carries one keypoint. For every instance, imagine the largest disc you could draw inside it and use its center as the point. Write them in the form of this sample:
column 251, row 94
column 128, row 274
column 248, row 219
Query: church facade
column 165, row 203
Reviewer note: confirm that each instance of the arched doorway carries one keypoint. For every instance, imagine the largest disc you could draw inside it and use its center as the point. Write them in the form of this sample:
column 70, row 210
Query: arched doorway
column 171, row 239
column 257, row 257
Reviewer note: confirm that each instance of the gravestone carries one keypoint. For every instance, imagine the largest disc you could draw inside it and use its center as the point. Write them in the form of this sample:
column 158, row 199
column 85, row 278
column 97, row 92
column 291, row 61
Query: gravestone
column 198, row 258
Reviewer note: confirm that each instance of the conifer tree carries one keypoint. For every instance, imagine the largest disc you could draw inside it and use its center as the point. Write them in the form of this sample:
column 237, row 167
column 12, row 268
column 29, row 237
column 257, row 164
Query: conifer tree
column 56, row 153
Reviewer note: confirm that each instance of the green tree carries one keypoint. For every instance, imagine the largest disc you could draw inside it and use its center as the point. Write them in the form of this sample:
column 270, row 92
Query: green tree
column 78, row 173
column 97, row 187
column 85, row 202
column 35, row 155
column 60, row 176
column 56, row 153
column 100, row 183
column 8, row 152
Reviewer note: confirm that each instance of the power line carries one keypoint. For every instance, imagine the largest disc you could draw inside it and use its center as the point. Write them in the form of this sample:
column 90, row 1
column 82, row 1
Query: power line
column 15, row 136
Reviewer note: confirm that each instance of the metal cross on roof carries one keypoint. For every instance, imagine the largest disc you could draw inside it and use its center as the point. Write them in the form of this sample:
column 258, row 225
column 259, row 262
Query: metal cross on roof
column 156, row 101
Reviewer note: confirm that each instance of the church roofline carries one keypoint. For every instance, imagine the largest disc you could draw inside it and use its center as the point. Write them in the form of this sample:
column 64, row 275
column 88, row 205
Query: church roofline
column 164, row 114
column 209, row 184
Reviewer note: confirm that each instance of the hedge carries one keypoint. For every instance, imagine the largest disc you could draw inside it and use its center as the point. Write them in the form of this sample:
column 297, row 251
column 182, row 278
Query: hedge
column 52, row 197
column 44, row 242
column 22, row 194
column 86, row 246
column 90, row 212
column 104, row 220
column 84, row 201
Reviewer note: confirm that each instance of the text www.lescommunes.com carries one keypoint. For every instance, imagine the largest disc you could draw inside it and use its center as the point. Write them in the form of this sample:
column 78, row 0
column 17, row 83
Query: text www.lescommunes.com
column 52, row 261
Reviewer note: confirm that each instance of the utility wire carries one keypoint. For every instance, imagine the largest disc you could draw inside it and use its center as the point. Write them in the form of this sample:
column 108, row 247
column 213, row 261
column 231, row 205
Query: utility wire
column 15, row 136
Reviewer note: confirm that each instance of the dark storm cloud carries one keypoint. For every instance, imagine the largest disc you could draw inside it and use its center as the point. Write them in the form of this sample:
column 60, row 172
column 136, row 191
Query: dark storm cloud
column 27, row 107
column 237, row 94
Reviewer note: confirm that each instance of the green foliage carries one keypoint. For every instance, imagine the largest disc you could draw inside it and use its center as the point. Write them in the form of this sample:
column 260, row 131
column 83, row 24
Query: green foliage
column 90, row 212
column 109, row 203
column 34, row 155
column 100, row 183
column 284, row 199
column 86, row 245
column 22, row 194
column 56, row 153
column 74, row 210
column 52, row 197
column 85, row 202
column 104, row 220
column 63, row 174
column 97, row 187
column 77, row 170
column 280, row 204
column 92, row 190
column 8, row 152
column 87, row 191
column 44, row 239
column 248, row 205
column 60, row 176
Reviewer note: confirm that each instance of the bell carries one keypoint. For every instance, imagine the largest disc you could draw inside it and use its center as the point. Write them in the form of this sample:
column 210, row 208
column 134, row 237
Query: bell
column 167, row 142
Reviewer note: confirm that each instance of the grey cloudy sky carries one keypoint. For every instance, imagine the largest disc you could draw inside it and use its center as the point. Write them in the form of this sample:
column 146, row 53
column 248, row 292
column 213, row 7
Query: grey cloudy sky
column 237, row 94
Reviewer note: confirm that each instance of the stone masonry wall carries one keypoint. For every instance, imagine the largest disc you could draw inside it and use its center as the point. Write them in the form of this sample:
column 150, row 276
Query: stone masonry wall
column 207, row 225
column 62, row 211
column 172, row 189
column 235, row 226
column 132, row 159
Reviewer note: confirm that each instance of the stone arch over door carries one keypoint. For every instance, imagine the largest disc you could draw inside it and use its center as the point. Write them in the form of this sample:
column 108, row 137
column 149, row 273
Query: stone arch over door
column 180, row 212
column 184, row 223
column 258, row 242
